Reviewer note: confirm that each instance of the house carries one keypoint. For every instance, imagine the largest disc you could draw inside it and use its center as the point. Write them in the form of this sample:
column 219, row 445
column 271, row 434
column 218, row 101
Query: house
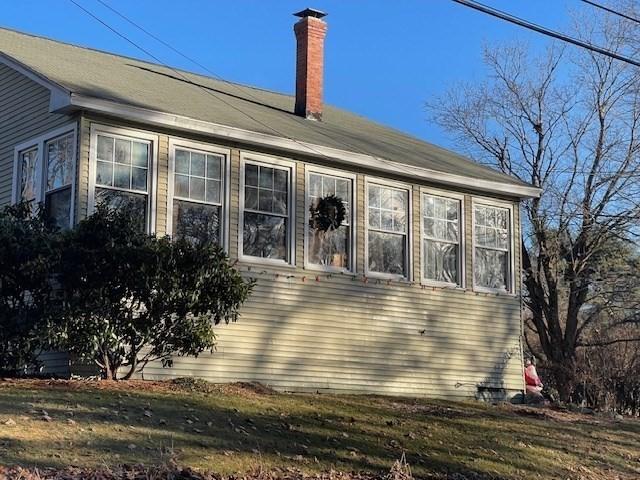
column 418, row 291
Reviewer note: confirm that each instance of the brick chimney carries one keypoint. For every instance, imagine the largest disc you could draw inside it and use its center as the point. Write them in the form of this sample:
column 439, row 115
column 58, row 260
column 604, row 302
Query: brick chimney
column 310, row 31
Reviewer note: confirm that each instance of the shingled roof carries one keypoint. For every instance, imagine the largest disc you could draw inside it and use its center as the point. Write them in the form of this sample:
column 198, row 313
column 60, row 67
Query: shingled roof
column 88, row 73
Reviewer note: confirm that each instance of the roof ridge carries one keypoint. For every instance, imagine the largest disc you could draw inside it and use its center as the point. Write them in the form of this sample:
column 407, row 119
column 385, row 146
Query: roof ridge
column 155, row 64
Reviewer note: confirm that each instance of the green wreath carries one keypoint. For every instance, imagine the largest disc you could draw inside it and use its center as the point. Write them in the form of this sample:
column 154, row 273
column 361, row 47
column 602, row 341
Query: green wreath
column 328, row 214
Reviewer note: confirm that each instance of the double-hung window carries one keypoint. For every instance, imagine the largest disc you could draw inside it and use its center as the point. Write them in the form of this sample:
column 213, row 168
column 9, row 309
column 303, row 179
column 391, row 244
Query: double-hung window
column 27, row 170
column 60, row 173
column 329, row 249
column 388, row 229
column 197, row 187
column 442, row 240
column 493, row 264
column 266, row 215
column 121, row 172
column 45, row 172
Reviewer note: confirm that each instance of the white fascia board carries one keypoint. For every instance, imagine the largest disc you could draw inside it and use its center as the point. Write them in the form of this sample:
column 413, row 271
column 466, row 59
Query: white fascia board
column 186, row 124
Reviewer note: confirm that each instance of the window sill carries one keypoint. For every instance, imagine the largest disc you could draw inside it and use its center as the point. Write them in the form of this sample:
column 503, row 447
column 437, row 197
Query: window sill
column 386, row 276
column 442, row 285
column 493, row 291
column 264, row 262
column 328, row 269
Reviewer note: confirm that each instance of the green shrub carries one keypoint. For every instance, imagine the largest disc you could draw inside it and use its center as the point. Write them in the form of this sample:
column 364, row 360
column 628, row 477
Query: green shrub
column 28, row 254
column 131, row 298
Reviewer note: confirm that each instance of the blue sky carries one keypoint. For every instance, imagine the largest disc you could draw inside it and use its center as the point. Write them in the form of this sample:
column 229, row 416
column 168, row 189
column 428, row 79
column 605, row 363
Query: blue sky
column 383, row 59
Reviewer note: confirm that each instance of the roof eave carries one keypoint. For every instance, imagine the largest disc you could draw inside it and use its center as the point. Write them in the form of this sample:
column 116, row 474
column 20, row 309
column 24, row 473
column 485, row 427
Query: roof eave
column 186, row 124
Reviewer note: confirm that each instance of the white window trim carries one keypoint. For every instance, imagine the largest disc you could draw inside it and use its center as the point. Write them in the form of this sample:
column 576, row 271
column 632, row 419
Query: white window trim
column 461, row 233
column 309, row 169
column 131, row 134
column 268, row 161
column 491, row 202
column 225, row 193
column 39, row 143
column 409, row 246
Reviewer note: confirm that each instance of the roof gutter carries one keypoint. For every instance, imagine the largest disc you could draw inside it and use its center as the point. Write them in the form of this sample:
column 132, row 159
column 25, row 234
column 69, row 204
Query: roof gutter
column 186, row 124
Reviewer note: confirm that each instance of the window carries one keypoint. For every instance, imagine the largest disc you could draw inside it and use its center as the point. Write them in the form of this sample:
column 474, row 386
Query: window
column 27, row 172
column 333, row 249
column 59, row 167
column 441, row 240
column 388, row 222
column 492, row 247
column 120, row 172
column 266, row 215
column 197, row 192
column 44, row 173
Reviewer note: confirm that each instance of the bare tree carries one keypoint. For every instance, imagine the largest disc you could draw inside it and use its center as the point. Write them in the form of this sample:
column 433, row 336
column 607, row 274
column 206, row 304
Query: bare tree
column 567, row 121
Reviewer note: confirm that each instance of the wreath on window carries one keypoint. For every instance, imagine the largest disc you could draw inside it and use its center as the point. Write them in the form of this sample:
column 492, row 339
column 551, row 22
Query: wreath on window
column 328, row 214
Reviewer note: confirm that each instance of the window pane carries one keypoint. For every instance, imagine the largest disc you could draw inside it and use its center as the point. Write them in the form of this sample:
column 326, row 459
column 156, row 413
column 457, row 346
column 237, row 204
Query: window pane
column 214, row 168
column 387, row 220
column 104, row 173
column 429, row 227
column 280, row 203
column 121, row 177
column 28, row 184
column 182, row 162
column 280, row 180
column 139, row 179
column 428, row 205
column 503, row 239
column 196, row 191
column 265, row 200
column 265, row 236
column 266, row 177
column 251, row 175
column 452, row 231
column 213, row 191
column 342, row 190
column 315, row 185
column 386, row 198
column 118, row 199
column 181, row 186
column 251, row 198
column 374, row 196
column 453, row 207
column 123, row 151
column 386, row 253
column 197, row 164
column 196, row 223
column 105, row 148
column 140, row 154
column 374, row 218
column 328, row 185
column 481, row 216
column 399, row 201
column 399, row 222
column 58, row 207
column 502, row 218
column 491, row 269
column 330, row 248
column 440, row 261
column 60, row 162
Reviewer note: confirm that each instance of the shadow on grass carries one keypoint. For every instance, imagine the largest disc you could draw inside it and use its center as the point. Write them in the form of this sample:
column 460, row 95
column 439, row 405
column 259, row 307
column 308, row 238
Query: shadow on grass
column 314, row 432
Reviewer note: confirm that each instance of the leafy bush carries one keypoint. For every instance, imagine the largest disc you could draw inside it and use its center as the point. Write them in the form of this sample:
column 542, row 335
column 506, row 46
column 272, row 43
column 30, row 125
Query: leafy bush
column 131, row 298
column 28, row 255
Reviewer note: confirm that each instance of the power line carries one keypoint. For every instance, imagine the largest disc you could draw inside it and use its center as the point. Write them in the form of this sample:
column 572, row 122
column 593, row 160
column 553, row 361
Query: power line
column 544, row 31
column 611, row 10
column 186, row 79
column 306, row 146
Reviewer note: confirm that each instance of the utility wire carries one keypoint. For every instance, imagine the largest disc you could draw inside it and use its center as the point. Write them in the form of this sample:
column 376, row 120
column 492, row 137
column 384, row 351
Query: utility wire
column 611, row 10
column 544, row 31
column 186, row 79
column 305, row 146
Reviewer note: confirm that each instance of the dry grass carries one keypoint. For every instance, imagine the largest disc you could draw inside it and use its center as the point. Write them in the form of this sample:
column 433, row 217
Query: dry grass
column 243, row 429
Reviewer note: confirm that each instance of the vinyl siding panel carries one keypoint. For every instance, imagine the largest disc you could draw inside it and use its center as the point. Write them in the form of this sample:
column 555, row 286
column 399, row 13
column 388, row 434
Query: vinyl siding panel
column 24, row 114
column 307, row 330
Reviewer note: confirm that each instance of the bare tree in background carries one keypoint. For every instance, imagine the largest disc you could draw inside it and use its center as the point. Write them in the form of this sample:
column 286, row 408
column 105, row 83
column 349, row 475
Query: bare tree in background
column 567, row 121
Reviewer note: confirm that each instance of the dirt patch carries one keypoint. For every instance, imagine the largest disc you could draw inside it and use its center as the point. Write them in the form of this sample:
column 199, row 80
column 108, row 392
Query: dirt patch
column 432, row 410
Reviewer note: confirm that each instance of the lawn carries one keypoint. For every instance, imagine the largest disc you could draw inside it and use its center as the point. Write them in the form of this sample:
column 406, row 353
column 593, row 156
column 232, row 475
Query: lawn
column 237, row 429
